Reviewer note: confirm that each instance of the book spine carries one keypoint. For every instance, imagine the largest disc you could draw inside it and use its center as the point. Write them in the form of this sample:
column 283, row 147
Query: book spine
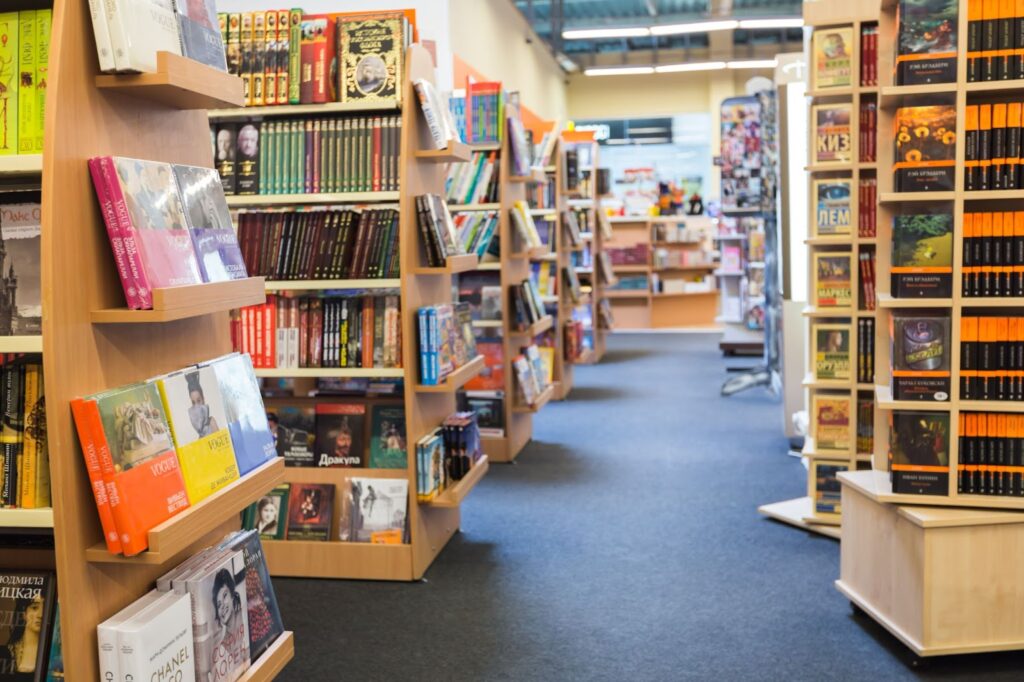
column 143, row 293
column 94, row 449
column 270, row 58
column 27, row 51
column 117, row 245
column 101, row 32
column 44, row 20
column 283, row 56
column 245, row 38
column 30, row 394
column 295, row 56
column 257, row 67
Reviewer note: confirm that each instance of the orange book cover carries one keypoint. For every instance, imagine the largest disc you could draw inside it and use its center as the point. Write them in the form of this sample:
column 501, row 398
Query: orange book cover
column 925, row 148
column 90, row 437
column 984, row 146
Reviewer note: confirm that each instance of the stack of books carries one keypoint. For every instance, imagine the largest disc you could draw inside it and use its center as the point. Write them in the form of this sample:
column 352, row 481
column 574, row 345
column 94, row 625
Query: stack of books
column 446, row 340
column 475, row 181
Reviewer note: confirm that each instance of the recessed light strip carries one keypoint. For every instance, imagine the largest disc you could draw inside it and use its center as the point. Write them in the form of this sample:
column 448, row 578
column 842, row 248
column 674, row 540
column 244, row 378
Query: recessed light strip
column 680, row 29
column 681, row 68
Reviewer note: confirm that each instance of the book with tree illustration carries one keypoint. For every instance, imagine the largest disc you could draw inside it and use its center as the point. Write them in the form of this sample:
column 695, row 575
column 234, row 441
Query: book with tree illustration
column 922, row 255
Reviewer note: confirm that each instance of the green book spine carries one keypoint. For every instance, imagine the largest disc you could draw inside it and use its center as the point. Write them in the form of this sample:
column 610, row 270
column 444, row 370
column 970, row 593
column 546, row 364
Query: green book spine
column 346, row 156
column 26, row 81
column 294, row 54
column 44, row 18
column 299, row 169
column 360, row 160
column 338, row 158
column 281, row 149
column 264, row 152
column 8, row 83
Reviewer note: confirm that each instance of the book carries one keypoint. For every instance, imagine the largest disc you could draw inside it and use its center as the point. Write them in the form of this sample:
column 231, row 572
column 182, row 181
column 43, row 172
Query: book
column 9, row 83
column 430, row 471
column 310, row 511
column 28, row 49
column 832, row 279
column 920, row 356
column 488, row 406
column 220, row 623
column 340, row 435
column 158, row 640
column 293, row 428
column 21, row 313
column 833, row 137
column 138, row 31
column 831, row 427
column 387, row 437
column 832, row 49
column 925, row 147
column 436, row 114
column 526, row 380
column 209, row 223
column 374, row 510
column 263, row 615
column 247, row 423
column 199, row 425
column 27, row 607
column 922, row 255
column 826, row 488
column 926, row 41
column 831, row 351
column 372, row 59
column 832, row 215
column 247, row 158
column 268, row 516
column 200, row 34
column 919, row 452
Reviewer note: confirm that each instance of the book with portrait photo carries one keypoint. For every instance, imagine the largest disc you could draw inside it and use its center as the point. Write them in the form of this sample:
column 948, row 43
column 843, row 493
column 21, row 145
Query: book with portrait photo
column 310, row 511
column 831, row 351
column 220, row 622
column 209, row 222
column 26, row 624
column 264, row 616
column 372, row 58
column 374, row 510
column 268, row 515
column 339, row 435
column 387, row 437
column 293, row 428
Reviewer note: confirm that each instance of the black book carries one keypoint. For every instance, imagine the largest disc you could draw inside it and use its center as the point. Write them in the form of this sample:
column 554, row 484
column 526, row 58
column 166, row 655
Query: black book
column 225, row 152
column 919, row 447
column 248, row 158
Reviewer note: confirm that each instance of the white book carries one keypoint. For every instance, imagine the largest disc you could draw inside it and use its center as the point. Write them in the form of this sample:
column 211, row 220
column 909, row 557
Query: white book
column 281, row 348
column 163, row 583
column 139, row 29
column 293, row 347
column 106, row 634
column 157, row 643
column 179, row 583
column 429, row 104
column 101, row 33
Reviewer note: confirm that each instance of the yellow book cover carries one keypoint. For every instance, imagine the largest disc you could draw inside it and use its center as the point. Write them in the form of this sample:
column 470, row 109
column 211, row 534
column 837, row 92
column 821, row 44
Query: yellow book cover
column 44, row 18
column 195, row 410
column 30, row 451
column 547, row 356
column 26, row 81
column 8, row 83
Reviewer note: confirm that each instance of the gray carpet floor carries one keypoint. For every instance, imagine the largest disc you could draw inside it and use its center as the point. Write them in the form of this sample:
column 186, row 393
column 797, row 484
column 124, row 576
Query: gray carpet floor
column 624, row 544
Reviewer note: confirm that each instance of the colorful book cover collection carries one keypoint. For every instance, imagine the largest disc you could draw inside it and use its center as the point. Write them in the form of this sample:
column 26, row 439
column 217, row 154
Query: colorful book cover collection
column 25, row 480
column 24, row 67
column 446, row 455
column 339, row 434
column 446, row 340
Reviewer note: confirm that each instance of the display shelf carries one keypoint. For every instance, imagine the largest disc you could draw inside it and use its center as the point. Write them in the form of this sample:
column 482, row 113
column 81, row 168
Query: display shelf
column 536, row 175
column 485, row 146
column 456, row 379
column 810, row 382
column 831, row 92
column 680, row 244
column 454, row 495
column 21, row 344
column 631, row 268
column 1015, row 406
column 339, row 560
column 627, row 293
column 795, row 512
column 302, row 109
column 272, row 661
column 453, row 153
column 463, row 208
column 543, row 212
column 532, row 253
column 539, row 327
column 464, row 262
column 18, row 165
column 829, row 167
column 542, row 400
column 729, row 273
column 687, row 268
column 331, row 284
column 900, row 91
column 996, row 194
column 179, row 83
column 887, row 301
column 683, row 294
column 171, row 538
column 26, row 518
column 814, row 311
column 493, row 265
column 195, row 300
column 324, row 198
column 331, row 372
column 903, row 197
column 885, row 401
column 991, row 302
column 484, row 324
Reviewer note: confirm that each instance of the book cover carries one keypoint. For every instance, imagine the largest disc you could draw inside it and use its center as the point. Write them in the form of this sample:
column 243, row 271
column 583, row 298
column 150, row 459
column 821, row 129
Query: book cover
column 200, row 34
column 247, row 159
column 832, row 50
column 830, row 422
column 139, row 30
column 827, row 490
column 293, row 428
column 8, row 83
column 926, row 41
column 919, row 452
column 833, row 286
column 27, row 605
column 158, row 641
column 310, row 510
column 833, row 138
column 220, row 624
column 268, row 516
column 387, row 437
column 922, row 255
column 264, row 617
column 375, row 511
column 225, row 148
column 492, row 376
column 55, row 668
column 831, row 351
column 209, row 222
column 430, row 472
column 247, row 422
column 21, row 312
column 28, row 48
column 199, row 426
column 526, row 380
column 832, row 213
column 339, row 435
column 489, row 409
column 925, row 140
column 372, row 52
column 920, row 356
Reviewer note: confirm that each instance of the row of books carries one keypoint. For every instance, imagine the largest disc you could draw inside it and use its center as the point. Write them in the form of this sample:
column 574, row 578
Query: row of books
column 920, row 357
column 925, row 148
column 542, row 194
column 868, row 130
column 437, row 229
column 865, row 427
column 446, row 340
column 919, row 452
column 544, row 276
column 24, row 52
column 168, row 225
column 489, row 408
column 520, row 142
column 351, row 330
column 338, row 434
column 533, row 374
column 478, row 233
column 445, row 455
column 867, row 207
column 526, row 227
column 153, row 449
column 869, row 55
column 479, row 112
column 364, row 509
column 993, row 254
column 991, row 358
column 668, row 259
column 868, row 298
column 288, row 57
column 865, row 350
column 308, row 155
column 475, row 181
column 529, row 308
column 992, row 139
column 333, row 243
column 990, row 454
column 994, row 41
column 23, row 443
column 211, row 617
column 636, row 254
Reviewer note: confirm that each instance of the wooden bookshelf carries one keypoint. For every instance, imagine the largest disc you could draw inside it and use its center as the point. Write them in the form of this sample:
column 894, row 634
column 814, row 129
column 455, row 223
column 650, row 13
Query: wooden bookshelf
column 453, row 496
column 456, row 379
column 273, row 660
column 329, row 284
column 564, row 373
column 454, row 152
column 179, row 303
column 26, row 518
column 321, row 199
column 19, row 165
column 795, row 512
column 21, row 344
column 179, row 83
column 302, row 110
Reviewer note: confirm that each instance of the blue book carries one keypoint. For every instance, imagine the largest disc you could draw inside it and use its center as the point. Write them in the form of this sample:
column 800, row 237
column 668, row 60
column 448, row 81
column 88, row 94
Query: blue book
column 264, row 617
column 247, row 419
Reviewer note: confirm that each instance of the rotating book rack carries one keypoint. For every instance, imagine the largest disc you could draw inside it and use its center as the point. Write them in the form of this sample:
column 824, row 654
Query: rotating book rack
column 91, row 343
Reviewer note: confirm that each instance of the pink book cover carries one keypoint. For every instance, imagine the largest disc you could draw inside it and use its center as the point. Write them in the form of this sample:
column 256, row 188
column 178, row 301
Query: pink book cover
column 131, row 247
column 157, row 220
column 131, row 292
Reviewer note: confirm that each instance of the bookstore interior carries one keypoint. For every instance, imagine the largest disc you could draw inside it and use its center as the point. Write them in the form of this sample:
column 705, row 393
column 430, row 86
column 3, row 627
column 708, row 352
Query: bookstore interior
column 362, row 340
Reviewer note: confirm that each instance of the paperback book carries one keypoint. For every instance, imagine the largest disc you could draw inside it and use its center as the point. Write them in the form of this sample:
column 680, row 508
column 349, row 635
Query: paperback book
column 920, row 356
column 268, row 516
column 293, row 428
column 919, row 452
column 339, row 435
column 209, row 222
column 220, row 622
column 833, row 287
column 832, row 214
column 27, row 621
column 926, row 42
column 20, row 240
column 374, row 510
column 387, row 437
column 310, row 511
column 922, row 255
column 832, row 49
column 831, row 351
column 826, row 488
column 925, row 148
column 831, row 424
column 833, row 137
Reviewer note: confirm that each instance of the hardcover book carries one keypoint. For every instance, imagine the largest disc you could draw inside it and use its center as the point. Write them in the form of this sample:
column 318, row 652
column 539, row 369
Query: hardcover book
column 200, row 34
column 199, row 425
column 919, row 452
column 22, row 315
column 833, row 286
column 374, row 510
column 925, row 153
column 139, row 30
column 827, row 490
column 372, row 53
column 220, row 623
column 832, row 214
column 268, row 516
column 831, row 426
column 209, row 222
column 27, row 607
column 492, row 376
column 832, row 49
column 293, row 428
column 430, row 470
column 926, row 42
column 310, row 510
column 920, row 356
column 264, row 617
column 247, row 422
column 387, row 437
column 922, row 255
column 833, row 138
column 339, row 435
column 831, row 352
column 158, row 641
column 8, row 83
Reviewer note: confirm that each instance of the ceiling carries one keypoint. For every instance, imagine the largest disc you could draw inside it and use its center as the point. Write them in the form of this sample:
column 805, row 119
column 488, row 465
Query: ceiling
column 550, row 17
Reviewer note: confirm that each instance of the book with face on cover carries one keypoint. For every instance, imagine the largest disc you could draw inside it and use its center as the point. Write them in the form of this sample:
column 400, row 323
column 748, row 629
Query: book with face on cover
column 310, row 511
column 209, row 221
column 27, row 606
column 247, row 421
column 339, row 435
column 374, row 510
column 264, row 617
column 220, row 623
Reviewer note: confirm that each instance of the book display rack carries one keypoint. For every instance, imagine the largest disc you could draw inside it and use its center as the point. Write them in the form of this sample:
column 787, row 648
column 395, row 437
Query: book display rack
column 841, row 311
column 151, row 117
column 431, row 524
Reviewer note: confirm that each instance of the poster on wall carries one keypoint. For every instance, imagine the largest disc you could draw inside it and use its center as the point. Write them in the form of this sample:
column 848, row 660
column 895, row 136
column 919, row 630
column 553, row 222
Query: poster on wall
column 741, row 153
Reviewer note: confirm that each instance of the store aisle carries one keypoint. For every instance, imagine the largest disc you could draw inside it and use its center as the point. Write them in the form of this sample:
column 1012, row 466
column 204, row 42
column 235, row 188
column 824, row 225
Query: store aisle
column 624, row 544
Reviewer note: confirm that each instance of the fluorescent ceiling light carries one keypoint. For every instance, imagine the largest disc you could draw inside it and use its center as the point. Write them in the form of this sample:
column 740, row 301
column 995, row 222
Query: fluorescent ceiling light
column 695, row 27
column 619, row 71
column 694, row 66
column 652, row 129
column 753, row 64
column 590, row 33
column 793, row 22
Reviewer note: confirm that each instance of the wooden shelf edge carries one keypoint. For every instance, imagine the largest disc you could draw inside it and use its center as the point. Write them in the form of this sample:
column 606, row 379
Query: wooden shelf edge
column 794, row 512
column 464, row 262
column 452, row 498
column 329, row 284
column 244, row 200
column 539, row 327
column 179, row 82
column 885, row 401
column 21, row 344
column 887, row 301
column 540, row 402
column 178, row 303
column 333, row 372
column 456, row 379
column 21, row 164
column 454, row 152
column 179, row 532
column 338, row 560
column 26, row 518
column 302, row 109
column 274, row 659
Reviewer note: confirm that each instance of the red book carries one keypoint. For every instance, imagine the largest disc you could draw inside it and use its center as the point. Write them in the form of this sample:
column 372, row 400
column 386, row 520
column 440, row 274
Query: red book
column 86, row 422
column 270, row 334
column 103, row 194
column 304, row 333
column 322, row 48
column 306, row 59
column 316, row 334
